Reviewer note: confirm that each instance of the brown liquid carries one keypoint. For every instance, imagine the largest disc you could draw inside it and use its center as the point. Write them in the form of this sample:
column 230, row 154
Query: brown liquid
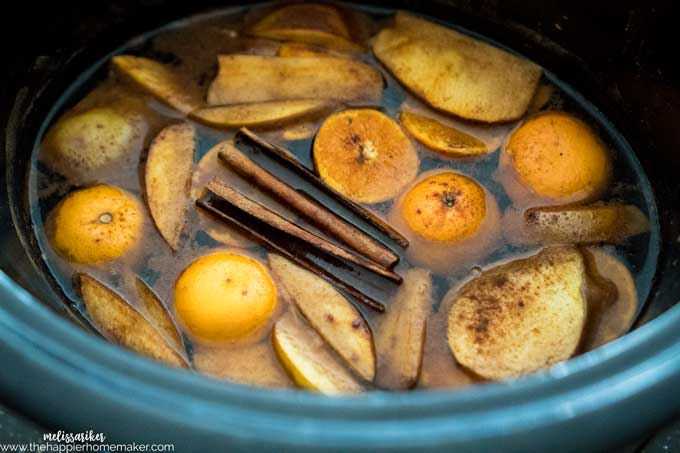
column 192, row 49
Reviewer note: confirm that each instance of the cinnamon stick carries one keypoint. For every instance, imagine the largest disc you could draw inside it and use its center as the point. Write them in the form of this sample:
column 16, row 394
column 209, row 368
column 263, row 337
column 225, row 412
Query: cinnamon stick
column 311, row 209
column 299, row 260
column 271, row 218
column 292, row 161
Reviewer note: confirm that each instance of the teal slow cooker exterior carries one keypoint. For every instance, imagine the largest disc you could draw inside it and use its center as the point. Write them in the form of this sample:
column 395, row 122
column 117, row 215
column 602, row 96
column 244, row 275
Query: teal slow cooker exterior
column 56, row 372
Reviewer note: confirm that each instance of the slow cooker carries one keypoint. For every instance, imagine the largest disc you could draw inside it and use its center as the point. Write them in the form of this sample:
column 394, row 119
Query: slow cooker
column 619, row 55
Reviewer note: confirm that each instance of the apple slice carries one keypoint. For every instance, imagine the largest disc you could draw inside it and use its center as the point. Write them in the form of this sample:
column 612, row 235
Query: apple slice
column 255, row 78
column 120, row 323
column 521, row 316
column 455, row 73
column 168, row 179
column 259, row 114
column 310, row 23
column 330, row 314
column 158, row 80
column 159, row 315
column 401, row 334
column 577, row 224
column 305, row 356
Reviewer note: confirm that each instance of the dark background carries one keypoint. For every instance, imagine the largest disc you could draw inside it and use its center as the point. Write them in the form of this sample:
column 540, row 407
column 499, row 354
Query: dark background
column 625, row 51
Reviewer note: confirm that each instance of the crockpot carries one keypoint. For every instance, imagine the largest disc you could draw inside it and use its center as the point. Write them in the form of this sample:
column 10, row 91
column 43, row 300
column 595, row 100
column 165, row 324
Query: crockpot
column 618, row 54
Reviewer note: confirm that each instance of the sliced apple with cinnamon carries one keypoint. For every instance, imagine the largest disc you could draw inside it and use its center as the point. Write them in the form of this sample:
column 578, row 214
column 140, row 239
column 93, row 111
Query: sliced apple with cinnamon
column 456, row 73
column 521, row 316
column 168, row 179
column 330, row 314
column 260, row 114
column 121, row 323
column 401, row 334
column 159, row 316
column 577, row 224
column 311, row 23
column 308, row 360
column 254, row 78
column 158, row 80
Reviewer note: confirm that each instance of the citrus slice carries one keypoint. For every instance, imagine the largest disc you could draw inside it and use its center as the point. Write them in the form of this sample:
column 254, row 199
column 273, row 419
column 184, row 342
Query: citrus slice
column 364, row 154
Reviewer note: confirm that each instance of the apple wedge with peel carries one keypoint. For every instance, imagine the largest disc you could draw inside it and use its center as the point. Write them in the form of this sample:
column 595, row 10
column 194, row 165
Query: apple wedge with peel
column 159, row 315
column 168, row 179
column 308, row 360
column 456, row 73
column 338, row 322
column 122, row 324
column 158, row 80
column 578, row 224
column 317, row 24
column 520, row 316
column 255, row 78
column 259, row 114
column 401, row 337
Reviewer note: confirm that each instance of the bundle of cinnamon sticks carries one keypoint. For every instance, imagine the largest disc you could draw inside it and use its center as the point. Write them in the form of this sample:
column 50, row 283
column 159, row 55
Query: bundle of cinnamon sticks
column 360, row 248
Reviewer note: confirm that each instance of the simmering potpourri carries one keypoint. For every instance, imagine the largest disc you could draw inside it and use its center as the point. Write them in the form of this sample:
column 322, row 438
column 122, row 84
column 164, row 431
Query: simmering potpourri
column 340, row 199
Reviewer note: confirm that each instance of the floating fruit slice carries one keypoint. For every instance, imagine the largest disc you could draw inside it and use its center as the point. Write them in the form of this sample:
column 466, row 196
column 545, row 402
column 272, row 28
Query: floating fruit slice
column 440, row 137
column 449, row 219
column 310, row 23
column 122, row 324
column 311, row 365
column 254, row 78
column 158, row 80
column 613, row 301
column 224, row 297
column 364, row 154
column 521, row 316
column 168, row 179
column 259, row 114
column 330, row 314
column 554, row 158
column 456, row 73
column 96, row 224
column 254, row 364
column 159, row 315
column 582, row 224
column 401, row 334
column 88, row 141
